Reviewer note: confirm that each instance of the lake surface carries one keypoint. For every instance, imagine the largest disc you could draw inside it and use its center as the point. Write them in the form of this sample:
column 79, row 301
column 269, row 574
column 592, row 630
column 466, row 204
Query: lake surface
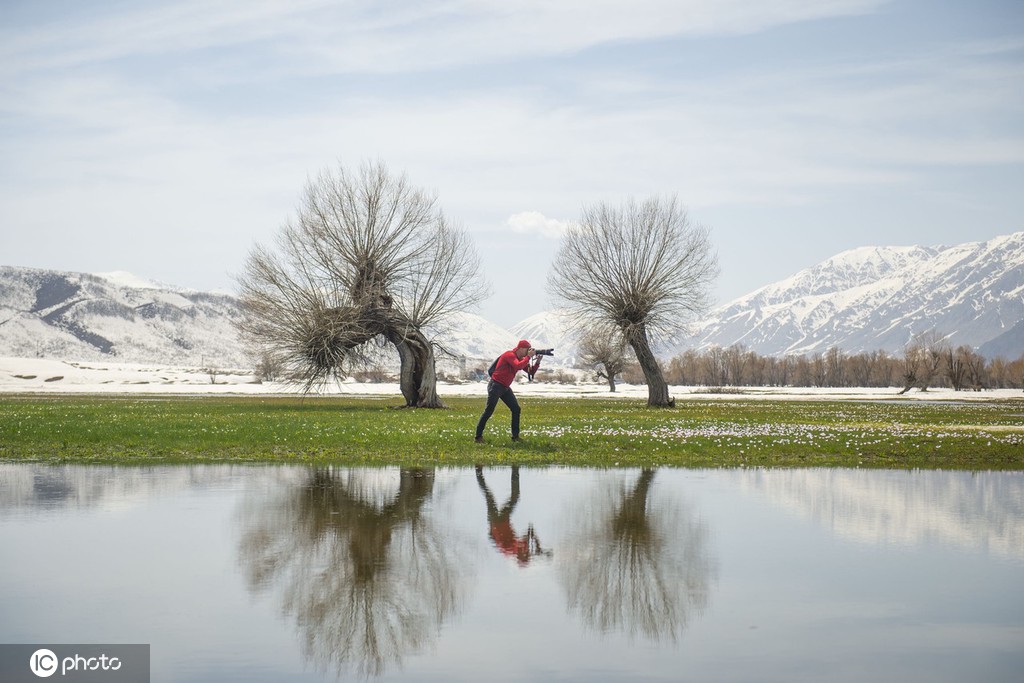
column 501, row 574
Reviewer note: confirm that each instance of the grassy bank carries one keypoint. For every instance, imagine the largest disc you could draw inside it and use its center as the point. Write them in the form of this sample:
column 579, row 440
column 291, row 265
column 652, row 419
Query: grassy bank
column 353, row 431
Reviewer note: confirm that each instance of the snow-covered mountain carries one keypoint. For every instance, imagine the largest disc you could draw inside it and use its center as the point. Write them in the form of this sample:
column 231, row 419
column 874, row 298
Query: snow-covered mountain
column 118, row 316
column 53, row 314
column 550, row 329
column 865, row 299
column 877, row 298
column 466, row 341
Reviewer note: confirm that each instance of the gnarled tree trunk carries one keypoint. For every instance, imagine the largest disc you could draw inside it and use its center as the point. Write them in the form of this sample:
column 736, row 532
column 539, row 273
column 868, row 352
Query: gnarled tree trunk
column 657, row 388
column 418, row 379
column 609, row 375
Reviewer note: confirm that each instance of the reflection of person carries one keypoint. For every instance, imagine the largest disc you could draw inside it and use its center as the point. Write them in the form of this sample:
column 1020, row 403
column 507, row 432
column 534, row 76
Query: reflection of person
column 500, row 386
column 524, row 547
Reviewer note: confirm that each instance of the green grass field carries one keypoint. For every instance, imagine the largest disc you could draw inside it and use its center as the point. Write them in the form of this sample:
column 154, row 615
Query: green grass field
column 574, row 432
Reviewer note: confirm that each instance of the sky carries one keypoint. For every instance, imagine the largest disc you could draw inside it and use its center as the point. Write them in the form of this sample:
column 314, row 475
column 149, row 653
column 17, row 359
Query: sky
column 169, row 137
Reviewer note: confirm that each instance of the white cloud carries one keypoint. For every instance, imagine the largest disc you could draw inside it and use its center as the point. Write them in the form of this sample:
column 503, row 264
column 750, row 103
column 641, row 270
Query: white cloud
column 536, row 223
column 182, row 119
column 326, row 36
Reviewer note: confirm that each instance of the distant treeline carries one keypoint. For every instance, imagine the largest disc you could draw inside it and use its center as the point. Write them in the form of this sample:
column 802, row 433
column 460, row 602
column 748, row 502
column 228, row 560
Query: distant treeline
column 920, row 366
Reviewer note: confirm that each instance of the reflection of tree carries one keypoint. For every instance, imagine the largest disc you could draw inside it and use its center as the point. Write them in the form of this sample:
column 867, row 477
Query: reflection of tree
column 523, row 548
column 367, row 581
column 633, row 566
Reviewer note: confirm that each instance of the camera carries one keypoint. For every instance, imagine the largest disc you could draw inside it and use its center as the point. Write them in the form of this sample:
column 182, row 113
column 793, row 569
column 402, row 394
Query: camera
column 544, row 352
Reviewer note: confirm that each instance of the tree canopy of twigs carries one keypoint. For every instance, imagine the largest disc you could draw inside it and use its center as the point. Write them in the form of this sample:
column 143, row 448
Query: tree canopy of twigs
column 368, row 257
column 922, row 358
column 641, row 267
column 604, row 349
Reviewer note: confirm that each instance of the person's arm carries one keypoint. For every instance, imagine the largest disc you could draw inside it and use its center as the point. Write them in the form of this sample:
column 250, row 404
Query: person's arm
column 519, row 363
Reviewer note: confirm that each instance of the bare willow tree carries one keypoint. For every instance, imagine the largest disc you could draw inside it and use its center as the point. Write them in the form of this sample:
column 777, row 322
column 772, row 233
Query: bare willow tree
column 367, row 258
column 641, row 267
column 604, row 349
column 922, row 358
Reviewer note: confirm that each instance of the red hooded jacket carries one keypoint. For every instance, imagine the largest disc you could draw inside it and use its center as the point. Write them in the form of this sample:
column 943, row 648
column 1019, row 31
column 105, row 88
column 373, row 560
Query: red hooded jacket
column 507, row 367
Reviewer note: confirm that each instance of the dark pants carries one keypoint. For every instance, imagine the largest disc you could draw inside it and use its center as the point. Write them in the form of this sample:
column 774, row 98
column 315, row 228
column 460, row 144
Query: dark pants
column 496, row 391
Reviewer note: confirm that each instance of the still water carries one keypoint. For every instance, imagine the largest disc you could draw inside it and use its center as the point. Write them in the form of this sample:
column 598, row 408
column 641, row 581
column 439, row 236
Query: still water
column 521, row 574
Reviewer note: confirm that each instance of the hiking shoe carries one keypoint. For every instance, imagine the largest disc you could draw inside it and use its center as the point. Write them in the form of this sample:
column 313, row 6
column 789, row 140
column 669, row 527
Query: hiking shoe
column 479, row 439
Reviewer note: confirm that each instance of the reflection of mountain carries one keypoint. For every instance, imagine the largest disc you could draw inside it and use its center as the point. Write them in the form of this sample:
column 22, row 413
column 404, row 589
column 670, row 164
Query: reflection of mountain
column 972, row 510
column 356, row 560
column 44, row 487
column 635, row 562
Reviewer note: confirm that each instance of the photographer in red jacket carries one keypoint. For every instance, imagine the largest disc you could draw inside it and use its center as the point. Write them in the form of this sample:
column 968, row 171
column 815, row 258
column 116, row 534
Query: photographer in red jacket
column 500, row 386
